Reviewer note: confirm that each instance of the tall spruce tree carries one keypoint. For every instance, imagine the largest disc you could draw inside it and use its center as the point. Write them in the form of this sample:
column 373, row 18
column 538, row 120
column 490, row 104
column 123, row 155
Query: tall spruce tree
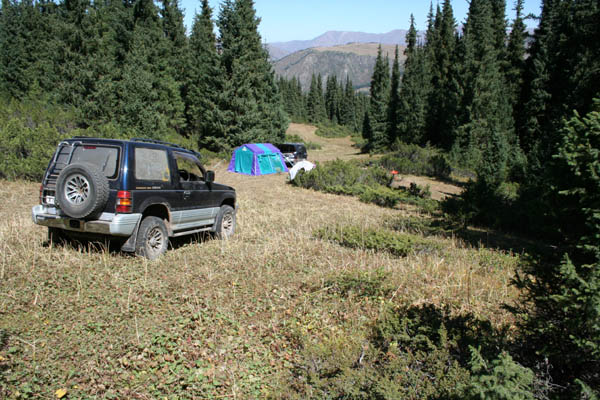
column 149, row 97
column 375, row 133
column 177, row 44
column 332, row 99
column 515, row 57
column 443, row 101
column 315, row 102
column 563, row 325
column 393, row 107
column 414, row 91
column 204, row 82
column 348, row 107
column 486, row 134
column 251, row 103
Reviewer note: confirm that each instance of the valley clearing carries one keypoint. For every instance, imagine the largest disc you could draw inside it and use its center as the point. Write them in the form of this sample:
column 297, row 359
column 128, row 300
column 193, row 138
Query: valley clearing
column 220, row 319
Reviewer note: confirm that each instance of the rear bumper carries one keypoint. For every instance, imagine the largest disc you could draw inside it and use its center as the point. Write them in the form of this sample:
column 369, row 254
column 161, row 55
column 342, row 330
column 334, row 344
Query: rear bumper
column 106, row 224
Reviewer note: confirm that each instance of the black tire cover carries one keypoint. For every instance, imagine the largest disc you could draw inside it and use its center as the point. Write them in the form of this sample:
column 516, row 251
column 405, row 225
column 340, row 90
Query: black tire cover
column 97, row 194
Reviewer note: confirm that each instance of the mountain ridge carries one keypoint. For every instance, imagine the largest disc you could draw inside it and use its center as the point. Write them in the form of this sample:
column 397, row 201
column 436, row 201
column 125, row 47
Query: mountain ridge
column 354, row 60
column 278, row 50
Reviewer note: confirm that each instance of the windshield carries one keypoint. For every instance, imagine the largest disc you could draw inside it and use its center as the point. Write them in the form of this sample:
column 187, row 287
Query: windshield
column 286, row 148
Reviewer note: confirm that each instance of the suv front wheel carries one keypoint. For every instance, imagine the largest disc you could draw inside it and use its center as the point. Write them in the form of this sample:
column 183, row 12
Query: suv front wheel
column 152, row 238
column 225, row 224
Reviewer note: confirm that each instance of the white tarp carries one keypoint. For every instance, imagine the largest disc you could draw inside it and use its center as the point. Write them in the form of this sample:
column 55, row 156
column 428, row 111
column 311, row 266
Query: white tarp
column 304, row 165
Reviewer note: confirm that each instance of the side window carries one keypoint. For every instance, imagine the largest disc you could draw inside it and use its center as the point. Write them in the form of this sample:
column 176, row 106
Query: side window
column 188, row 169
column 151, row 165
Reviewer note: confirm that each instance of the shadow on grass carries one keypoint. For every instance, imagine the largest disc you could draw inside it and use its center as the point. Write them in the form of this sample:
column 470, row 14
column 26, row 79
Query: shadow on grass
column 489, row 238
column 95, row 245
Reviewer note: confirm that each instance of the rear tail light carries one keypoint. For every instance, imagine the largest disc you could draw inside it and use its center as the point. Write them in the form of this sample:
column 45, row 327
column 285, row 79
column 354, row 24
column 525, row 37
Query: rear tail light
column 124, row 202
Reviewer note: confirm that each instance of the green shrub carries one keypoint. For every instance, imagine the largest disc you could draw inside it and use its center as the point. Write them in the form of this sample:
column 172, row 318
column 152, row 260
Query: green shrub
column 500, row 379
column 418, row 191
column 360, row 283
column 340, row 173
column 420, row 225
column 369, row 183
column 417, row 352
column 29, row 133
column 397, row 244
column 415, row 160
column 333, row 131
column 381, row 195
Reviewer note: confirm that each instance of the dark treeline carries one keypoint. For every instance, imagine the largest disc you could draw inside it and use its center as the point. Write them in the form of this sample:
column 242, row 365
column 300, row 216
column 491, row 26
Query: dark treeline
column 130, row 64
column 527, row 119
column 334, row 102
column 524, row 113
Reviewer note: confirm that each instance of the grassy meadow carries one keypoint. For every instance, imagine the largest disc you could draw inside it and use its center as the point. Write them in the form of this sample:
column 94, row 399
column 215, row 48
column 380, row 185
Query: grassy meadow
column 221, row 319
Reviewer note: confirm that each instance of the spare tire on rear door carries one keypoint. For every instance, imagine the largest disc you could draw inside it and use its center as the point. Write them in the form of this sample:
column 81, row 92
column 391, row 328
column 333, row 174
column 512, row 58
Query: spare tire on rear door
column 81, row 190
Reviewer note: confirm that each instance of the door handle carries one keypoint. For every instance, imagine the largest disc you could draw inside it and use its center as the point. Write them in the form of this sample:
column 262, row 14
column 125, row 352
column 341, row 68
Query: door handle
column 186, row 194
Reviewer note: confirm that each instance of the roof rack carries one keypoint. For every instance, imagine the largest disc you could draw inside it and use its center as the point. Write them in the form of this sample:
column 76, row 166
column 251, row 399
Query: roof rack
column 154, row 141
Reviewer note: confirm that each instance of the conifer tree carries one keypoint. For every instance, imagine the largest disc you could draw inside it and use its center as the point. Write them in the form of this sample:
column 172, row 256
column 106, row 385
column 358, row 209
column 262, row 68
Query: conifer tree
column 177, row 44
column 487, row 132
column 250, row 101
column 515, row 57
column 443, row 101
column 414, row 91
column 393, row 107
column 347, row 106
column 204, row 82
column 149, row 98
column 332, row 99
column 380, row 90
column 27, row 47
column 535, row 93
column 564, row 324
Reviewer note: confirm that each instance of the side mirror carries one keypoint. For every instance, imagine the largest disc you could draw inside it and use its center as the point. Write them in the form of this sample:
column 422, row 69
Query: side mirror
column 210, row 176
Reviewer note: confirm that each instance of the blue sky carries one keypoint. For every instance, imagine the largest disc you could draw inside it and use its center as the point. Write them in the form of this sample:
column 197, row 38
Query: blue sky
column 284, row 20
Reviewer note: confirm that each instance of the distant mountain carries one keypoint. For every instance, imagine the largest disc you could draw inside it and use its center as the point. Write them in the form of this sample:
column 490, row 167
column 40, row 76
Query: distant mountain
column 356, row 60
column 279, row 50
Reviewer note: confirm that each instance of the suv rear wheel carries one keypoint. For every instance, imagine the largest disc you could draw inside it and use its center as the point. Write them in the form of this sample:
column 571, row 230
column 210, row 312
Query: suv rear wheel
column 152, row 238
column 81, row 190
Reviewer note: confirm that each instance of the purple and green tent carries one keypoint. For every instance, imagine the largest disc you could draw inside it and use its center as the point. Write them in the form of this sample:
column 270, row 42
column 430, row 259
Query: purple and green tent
column 257, row 159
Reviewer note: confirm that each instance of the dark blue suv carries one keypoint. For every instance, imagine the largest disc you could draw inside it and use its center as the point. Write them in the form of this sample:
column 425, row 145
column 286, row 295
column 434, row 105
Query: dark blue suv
column 140, row 192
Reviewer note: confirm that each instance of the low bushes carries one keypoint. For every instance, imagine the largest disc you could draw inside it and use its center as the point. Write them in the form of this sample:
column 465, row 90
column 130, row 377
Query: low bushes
column 331, row 176
column 31, row 129
column 333, row 131
column 369, row 183
column 397, row 244
column 360, row 283
column 415, row 160
column 414, row 352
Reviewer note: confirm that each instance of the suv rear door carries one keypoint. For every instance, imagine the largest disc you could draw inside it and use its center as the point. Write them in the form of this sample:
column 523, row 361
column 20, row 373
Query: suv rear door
column 152, row 177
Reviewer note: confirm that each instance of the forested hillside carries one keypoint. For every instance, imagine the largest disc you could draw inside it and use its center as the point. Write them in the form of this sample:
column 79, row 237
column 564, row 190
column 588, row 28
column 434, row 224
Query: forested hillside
column 130, row 65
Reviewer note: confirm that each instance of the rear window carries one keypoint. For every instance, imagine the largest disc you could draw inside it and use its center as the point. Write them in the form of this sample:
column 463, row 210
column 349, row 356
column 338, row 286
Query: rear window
column 103, row 157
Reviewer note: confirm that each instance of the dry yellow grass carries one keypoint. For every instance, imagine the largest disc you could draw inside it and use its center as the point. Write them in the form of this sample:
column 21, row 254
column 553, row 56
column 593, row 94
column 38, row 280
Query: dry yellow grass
column 220, row 314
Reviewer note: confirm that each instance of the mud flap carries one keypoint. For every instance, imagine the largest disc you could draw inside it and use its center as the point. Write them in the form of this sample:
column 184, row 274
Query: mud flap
column 129, row 245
